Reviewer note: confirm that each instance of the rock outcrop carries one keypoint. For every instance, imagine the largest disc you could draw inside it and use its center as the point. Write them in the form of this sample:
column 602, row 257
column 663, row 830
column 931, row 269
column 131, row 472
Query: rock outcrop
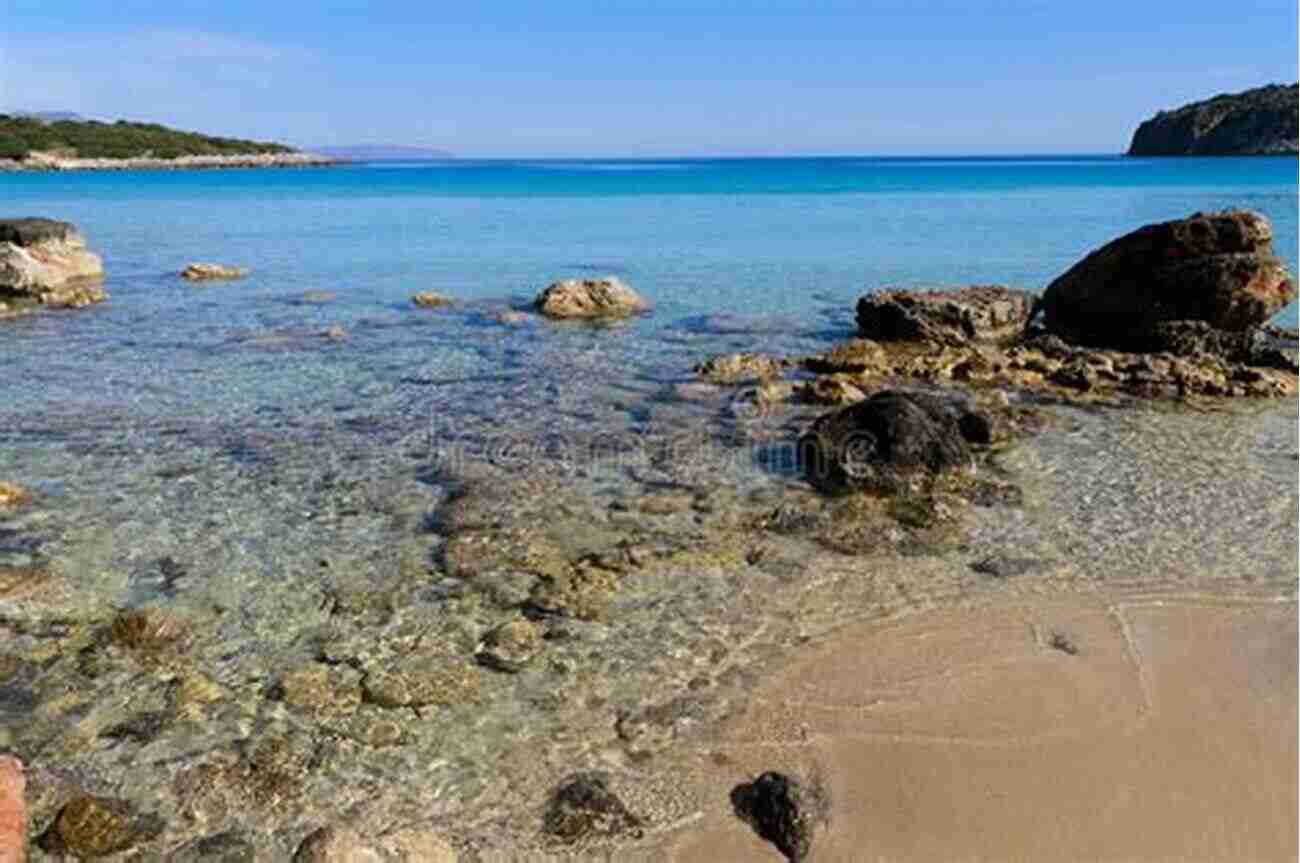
column 991, row 314
column 44, row 262
column 606, row 297
column 1216, row 268
column 1262, row 121
column 430, row 299
column 890, row 442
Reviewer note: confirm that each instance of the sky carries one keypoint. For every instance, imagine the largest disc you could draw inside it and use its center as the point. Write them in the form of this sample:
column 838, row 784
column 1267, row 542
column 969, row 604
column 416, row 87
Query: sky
column 642, row 78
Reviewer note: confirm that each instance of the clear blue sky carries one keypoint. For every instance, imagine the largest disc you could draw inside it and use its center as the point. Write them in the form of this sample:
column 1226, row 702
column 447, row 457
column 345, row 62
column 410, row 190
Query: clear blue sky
column 647, row 77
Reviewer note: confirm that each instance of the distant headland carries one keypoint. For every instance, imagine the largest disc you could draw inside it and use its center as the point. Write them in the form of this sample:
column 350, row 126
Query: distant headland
column 41, row 142
column 1258, row 122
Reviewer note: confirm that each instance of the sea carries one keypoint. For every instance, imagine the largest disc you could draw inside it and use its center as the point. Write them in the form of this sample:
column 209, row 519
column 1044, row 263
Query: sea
column 272, row 459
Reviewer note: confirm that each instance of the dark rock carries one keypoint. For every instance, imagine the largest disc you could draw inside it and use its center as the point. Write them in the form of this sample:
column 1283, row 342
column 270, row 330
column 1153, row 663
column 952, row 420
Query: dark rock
column 1217, row 268
column 981, row 313
column 228, row 847
column 584, row 808
column 782, row 810
column 1255, row 122
column 1007, row 566
column 887, row 441
column 33, row 231
column 90, row 827
column 1197, row 338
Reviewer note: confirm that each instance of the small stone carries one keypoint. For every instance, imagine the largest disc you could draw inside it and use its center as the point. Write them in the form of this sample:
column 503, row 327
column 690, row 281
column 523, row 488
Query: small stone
column 201, row 272
column 335, row 845
column 739, row 368
column 13, row 495
column 335, row 332
column 584, row 808
column 419, row 681
column 228, row 847
column 1007, row 566
column 782, row 810
column 605, row 297
column 430, row 300
column 147, row 630
column 321, row 690
column 511, row 646
column 854, row 357
column 90, row 827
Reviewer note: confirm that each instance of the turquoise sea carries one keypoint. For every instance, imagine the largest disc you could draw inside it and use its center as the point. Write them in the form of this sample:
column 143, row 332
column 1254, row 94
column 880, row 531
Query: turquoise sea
column 309, row 472
column 736, row 254
column 793, row 241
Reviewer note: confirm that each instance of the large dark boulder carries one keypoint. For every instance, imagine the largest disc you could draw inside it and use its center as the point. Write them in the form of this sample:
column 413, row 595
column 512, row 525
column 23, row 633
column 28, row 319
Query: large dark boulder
column 891, row 441
column 1263, row 121
column 1218, row 268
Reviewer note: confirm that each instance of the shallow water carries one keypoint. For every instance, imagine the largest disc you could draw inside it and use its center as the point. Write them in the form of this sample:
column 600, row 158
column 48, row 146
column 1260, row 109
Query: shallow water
column 209, row 450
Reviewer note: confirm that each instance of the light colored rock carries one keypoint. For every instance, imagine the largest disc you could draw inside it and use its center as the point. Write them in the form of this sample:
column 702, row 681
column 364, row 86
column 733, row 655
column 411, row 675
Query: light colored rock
column 12, row 495
column 46, row 263
column 335, row 845
column 605, row 297
column 430, row 300
column 202, row 272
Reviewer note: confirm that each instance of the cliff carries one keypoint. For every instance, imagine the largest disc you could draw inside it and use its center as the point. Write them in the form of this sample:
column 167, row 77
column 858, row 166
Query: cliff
column 1257, row 122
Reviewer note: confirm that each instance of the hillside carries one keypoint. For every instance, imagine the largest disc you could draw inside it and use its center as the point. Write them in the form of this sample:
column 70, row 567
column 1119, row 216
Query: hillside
column 90, row 139
column 1262, row 121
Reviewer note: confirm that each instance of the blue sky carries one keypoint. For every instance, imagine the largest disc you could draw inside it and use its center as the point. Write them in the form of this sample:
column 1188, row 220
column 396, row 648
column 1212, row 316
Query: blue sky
column 643, row 78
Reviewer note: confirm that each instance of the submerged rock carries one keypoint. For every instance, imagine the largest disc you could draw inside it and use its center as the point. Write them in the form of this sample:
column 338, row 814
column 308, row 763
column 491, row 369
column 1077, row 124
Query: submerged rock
column 855, row 356
column 90, row 827
column 228, row 847
column 335, row 845
column 782, row 810
column 201, row 272
column 430, row 300
column 980, row 313
column 44, row 262
column 584, row 808
column 13, row 495
column 1216, row 268
column 606, row 297
column 740, row 368
column 890, row 441
column 511, row 646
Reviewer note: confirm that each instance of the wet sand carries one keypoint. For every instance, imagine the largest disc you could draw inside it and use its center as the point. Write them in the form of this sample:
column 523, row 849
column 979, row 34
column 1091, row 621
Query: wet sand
column 1069, row 730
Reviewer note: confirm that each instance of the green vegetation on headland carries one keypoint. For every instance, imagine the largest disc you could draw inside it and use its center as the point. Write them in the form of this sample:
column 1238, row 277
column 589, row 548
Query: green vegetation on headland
column 90, row 139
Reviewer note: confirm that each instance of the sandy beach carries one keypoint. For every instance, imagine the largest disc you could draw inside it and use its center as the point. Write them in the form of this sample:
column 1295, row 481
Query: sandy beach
column 1169, row 734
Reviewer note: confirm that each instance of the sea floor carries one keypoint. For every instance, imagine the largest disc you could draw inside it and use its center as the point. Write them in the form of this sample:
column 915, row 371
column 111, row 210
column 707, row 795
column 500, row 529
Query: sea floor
column 398, row 619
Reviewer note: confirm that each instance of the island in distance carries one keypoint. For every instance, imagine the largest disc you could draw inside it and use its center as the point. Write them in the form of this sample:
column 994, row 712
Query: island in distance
column 1258, row 122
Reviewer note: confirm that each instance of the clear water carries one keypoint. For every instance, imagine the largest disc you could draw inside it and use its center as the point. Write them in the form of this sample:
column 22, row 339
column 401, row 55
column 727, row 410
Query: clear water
column 214, row 431
column 791, row 238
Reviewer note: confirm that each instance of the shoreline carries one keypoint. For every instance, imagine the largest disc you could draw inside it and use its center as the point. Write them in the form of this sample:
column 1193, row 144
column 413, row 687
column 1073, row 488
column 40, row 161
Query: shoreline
column 46, row 162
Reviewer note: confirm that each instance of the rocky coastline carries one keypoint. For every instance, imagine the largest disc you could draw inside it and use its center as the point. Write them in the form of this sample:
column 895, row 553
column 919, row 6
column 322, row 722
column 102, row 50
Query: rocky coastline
column 55, row 162
column 543, row 664
column 1264, row 121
